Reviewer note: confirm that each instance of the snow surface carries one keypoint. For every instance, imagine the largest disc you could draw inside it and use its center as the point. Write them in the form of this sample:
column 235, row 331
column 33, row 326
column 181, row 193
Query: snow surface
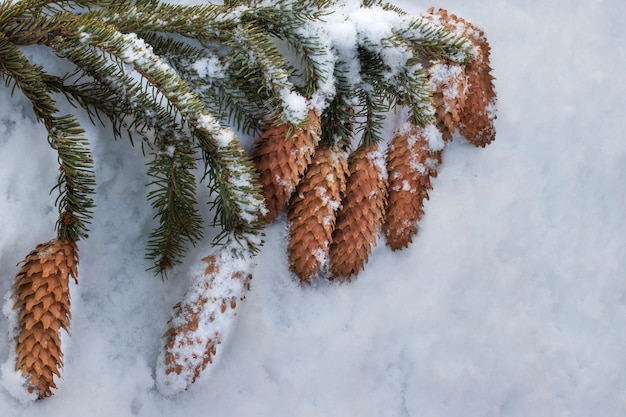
column 510, row 302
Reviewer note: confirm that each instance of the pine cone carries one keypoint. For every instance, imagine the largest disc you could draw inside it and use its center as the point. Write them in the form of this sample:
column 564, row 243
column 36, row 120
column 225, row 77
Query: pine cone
column 42, row 296
column 200, row 322
column 448, row 84
column 282, row 159
column 313, row 210
column 479, row 113
column 361, row 214
column 413, row 156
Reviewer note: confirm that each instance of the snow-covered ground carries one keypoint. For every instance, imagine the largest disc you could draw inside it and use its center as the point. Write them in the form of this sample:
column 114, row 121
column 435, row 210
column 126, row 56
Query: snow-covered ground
column 510, row 302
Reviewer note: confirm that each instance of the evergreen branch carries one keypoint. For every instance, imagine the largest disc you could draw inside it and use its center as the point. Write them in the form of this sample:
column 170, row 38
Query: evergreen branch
column 434, row 42
column 374, row 111
column 241, row 215
column 219, row 145
column 406, row 84
column 315, row 56
column 338, row 118
column 384, row 5
column 373, row 96
column 261, row 70
column 291, row 21
column 173, row 197
column 134, row 98
column 201, row 22
column 93, row 98
column 207, row 73
column 76, row 181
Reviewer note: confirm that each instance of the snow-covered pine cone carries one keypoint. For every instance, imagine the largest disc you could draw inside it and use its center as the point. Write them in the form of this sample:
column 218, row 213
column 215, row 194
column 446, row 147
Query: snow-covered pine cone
column 448, row 84
column 201, row 321
column 479, row 113
column 42, row 300
column 361, row 214
column 282, row 154
column 413, row 156
column 312, row 212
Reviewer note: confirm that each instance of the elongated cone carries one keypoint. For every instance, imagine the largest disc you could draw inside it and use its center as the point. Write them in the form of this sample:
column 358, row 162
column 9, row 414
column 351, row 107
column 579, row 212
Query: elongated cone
column 361, row 214
column 448, row 84
column 479, row 113
column 413, row 156
column 201, row 321
column 42, row 299
column 281, row 156
column 312, row 212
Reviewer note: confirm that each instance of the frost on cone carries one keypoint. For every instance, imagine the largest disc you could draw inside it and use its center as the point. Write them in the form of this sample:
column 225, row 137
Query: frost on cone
column 281, row 156
column 448, row 84
column 479, row 113
column 413, row 156
column 312, row 212
column 201, row 321
column 361, row 214
column 42, row 302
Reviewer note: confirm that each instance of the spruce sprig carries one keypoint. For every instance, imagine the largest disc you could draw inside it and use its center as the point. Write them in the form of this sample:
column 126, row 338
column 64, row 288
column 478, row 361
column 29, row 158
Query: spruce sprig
column 138, row 64
column 218, row 144
column 76, row 180
column 173, row 197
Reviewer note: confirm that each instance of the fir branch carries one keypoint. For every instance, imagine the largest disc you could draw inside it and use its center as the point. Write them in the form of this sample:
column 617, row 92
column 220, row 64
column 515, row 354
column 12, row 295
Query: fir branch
column 338, row 118
column 302, row 36
column 139, row 104
column 262, row 70
column 216, row 88
column 173, row 197
column 240, row 216
column 201, row 22
column 173, row 193
column 384, row 5
column 220, row 147
column 373, row 97
column 434, row 42
column 406, row 84
column 75, row 182
column 95, row 99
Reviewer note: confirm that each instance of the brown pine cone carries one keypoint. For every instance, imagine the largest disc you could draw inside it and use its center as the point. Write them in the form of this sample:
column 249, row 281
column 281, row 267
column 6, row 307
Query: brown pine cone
column 361, row 214
column 479, row 113
column 448, row 84
column 312, row 212
column 281, row 156
column 42, row 298
column 413, row 157
column 199, row 323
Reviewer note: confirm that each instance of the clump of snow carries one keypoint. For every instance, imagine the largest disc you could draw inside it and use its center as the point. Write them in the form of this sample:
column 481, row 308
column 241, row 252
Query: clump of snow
column 209, row 68
column 377, row 158
column 295, row 108
column 434, row 138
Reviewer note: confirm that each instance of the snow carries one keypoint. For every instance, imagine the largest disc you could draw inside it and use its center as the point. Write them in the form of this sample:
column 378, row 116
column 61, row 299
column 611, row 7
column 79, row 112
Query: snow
column 510, row 302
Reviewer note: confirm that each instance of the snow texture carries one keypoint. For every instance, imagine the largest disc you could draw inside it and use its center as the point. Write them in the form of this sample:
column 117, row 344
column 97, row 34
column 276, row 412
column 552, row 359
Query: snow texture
column 510, row 302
